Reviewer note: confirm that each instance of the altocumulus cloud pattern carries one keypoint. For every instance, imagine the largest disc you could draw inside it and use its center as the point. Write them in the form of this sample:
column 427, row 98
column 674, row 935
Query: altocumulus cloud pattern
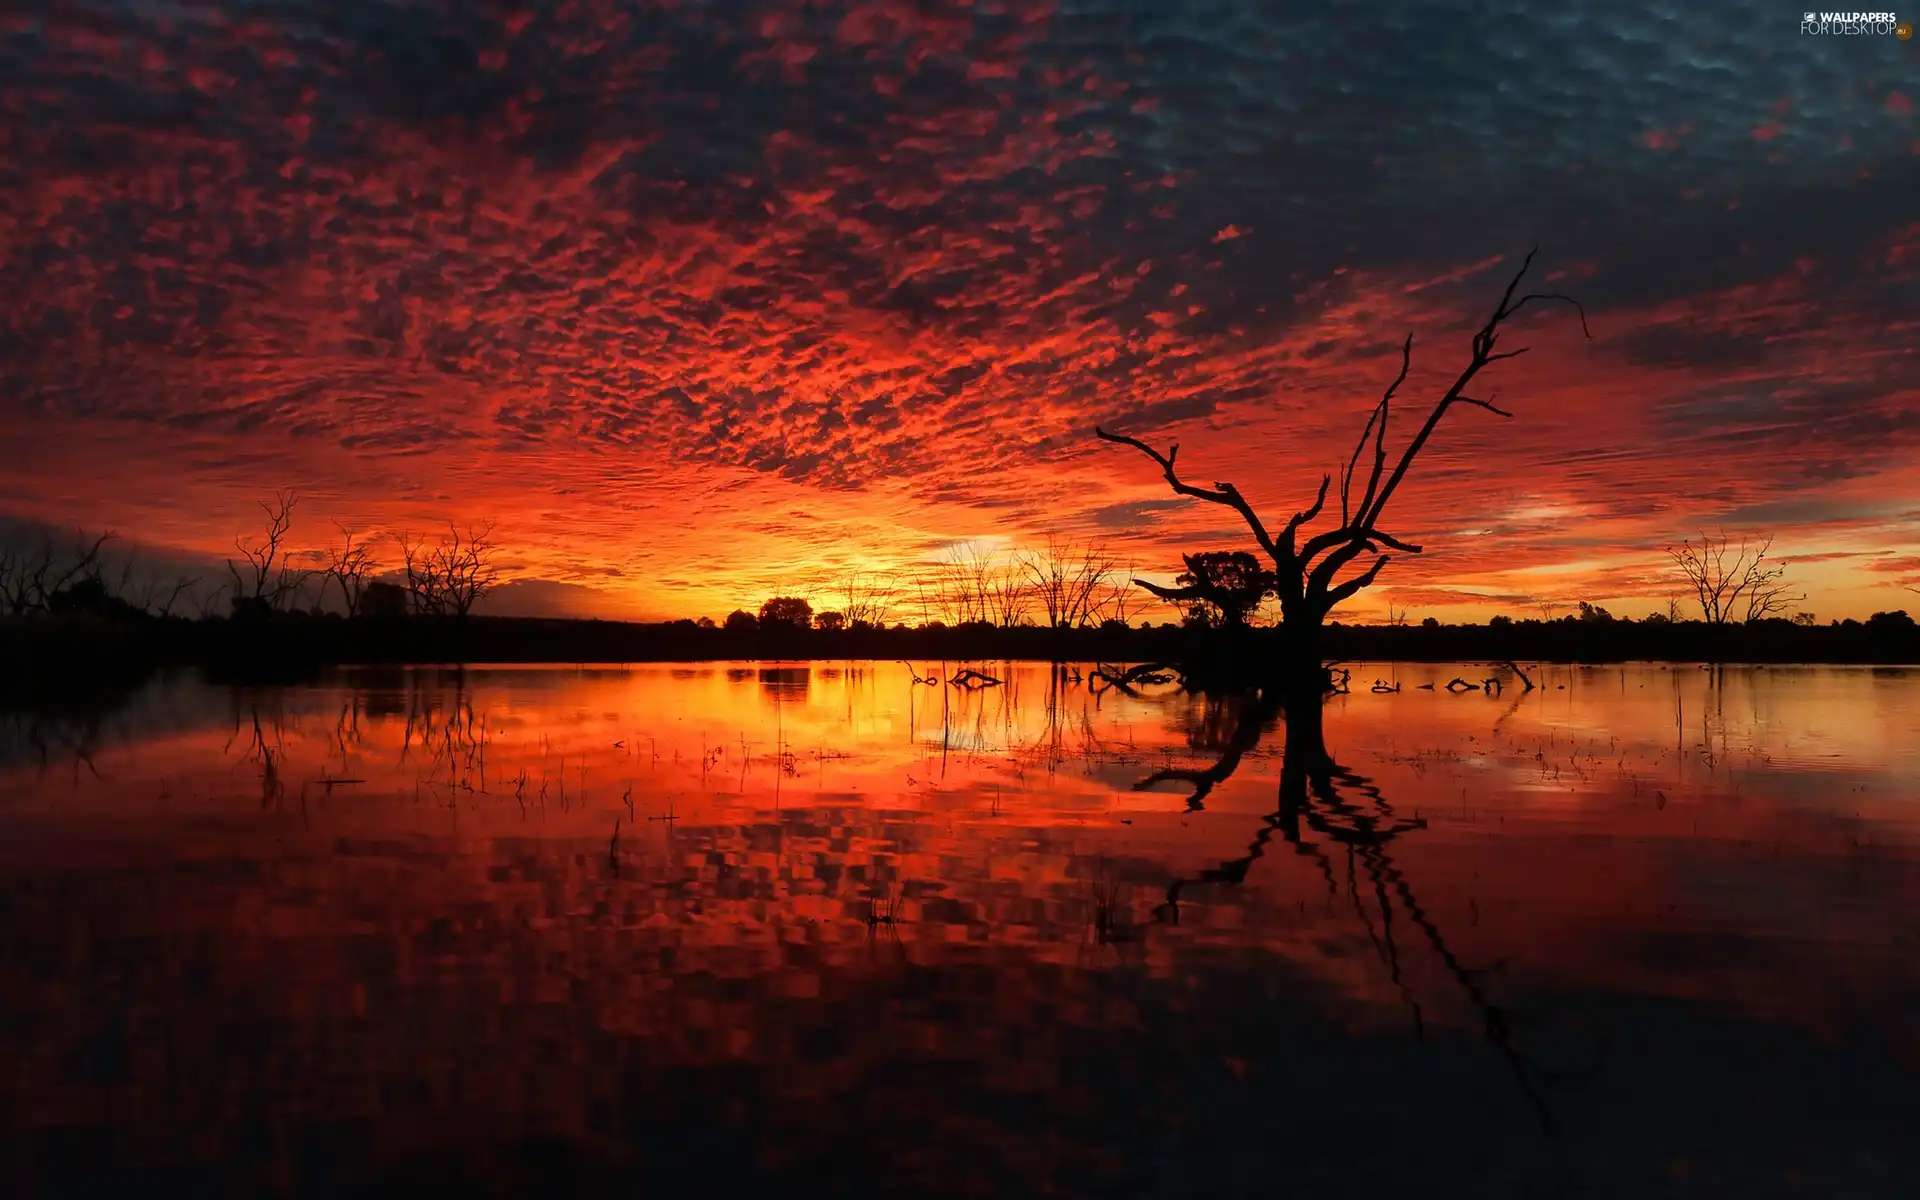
column 686, row 292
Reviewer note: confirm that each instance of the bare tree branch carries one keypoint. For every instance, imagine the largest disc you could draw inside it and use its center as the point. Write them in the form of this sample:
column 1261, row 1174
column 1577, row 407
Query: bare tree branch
column 30, row 579
column 464, row 565
column 350, row 568
column 1748, row 585
column 1307, row 579
column 1070, row 581
column 268, row 583
column 1225, row 494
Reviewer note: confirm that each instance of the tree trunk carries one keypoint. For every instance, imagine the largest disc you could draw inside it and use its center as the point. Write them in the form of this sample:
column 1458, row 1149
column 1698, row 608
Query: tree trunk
column 1305, row 765
column 1296, row 666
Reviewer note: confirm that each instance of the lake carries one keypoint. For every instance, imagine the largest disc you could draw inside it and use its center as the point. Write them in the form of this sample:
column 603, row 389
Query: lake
column 722, row 928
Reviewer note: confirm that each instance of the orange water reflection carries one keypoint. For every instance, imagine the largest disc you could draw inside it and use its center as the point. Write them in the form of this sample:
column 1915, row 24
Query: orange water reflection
column 786, row 906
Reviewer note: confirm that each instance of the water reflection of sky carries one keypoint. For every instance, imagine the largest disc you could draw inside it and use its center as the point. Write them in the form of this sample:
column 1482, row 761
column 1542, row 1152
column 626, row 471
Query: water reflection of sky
column 1734, row 848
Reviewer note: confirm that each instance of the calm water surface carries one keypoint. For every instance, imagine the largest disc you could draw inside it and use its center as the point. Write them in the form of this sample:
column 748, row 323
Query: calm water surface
column 716, row 929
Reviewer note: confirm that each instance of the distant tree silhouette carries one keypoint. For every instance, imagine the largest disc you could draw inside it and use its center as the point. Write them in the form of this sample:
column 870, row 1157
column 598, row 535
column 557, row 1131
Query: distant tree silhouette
column 790, row 612
column 1072, row 582
column 977, row 582
column 422, row 582
column 741, row 621
column 1745, row 585
column 961, row 581
column 349, row 568
column 92, row 596
column 382, row 599
column 163, row 607
column 30, row 577
column 1308, row 574
column 830, row 622
column 448, row 577
column 1896, row 621
column 207, row 603
column 1220, row 588
column 268, row 583
column 865, row 598
column 465, row 563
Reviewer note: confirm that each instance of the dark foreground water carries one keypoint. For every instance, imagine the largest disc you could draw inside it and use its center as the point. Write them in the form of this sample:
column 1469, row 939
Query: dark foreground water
column 1643, row 931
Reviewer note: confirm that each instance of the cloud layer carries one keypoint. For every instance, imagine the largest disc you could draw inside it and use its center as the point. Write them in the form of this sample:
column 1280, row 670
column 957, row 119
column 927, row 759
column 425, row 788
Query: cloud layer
column 695, row 300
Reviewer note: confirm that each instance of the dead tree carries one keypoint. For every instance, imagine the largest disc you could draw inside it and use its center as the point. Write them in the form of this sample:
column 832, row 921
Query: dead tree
column 975, row 583
column 866, row 600
column 425, row 592
column 965, row 577
column 1308, row 574
column 970, row 678
column 1526, row 682
column 1118, row 601
column 464, row 564
column 181, row 586
column 1069, row 581
column 350, row 568
column 268, row 583
column 1744, row 585
column 205, row 604
column 30, row 578
column 1004, row 591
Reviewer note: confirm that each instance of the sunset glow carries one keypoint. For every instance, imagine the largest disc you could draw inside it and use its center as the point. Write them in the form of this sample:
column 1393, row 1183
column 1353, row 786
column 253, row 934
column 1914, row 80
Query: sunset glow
column 699, row 309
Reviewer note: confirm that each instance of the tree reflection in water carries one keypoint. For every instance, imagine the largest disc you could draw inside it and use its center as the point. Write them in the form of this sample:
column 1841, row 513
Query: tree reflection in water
column 1317, row 809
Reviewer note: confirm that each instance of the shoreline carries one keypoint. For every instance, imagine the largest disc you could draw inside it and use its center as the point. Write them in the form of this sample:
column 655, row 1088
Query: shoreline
column 69, row 651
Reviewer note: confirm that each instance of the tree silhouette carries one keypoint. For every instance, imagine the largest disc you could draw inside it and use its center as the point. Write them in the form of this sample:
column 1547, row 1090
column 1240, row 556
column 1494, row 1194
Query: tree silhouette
column 448, row 577
column 1747, row 586
column 422, row 582
column 865, row 598
column 349, row 568
column 1070, row 581
column 383, row 599
column 30, row 579
column 268, row 583
column 790, row 612
column 465, row 565
column 1308, row 575
column 1222, row 586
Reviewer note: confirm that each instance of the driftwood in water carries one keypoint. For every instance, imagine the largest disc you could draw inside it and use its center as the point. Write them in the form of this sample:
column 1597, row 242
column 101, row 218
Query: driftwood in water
column 1126, row 681
column 1526, row 684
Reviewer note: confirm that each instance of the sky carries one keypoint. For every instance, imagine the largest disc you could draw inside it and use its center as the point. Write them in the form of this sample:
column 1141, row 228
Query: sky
column 698, row 303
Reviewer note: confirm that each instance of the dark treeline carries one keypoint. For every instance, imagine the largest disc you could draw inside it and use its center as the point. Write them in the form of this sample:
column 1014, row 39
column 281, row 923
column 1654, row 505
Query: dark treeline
column 94, row 646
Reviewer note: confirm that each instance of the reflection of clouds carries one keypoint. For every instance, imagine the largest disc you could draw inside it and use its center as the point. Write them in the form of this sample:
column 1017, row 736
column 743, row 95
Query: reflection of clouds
column 1763, row 864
